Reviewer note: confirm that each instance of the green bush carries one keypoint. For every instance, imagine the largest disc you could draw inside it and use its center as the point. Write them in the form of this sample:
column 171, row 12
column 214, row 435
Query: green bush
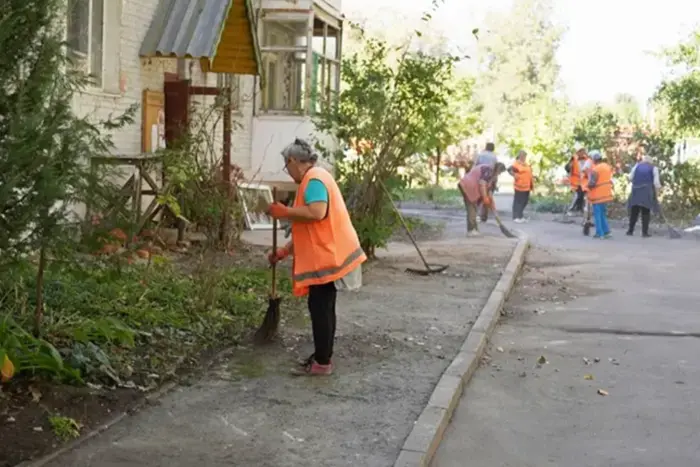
column 104, row 323
column 555, row 203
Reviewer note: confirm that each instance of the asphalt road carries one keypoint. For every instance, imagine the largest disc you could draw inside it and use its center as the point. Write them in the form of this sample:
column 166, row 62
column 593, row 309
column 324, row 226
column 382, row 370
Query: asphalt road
column 618, row 323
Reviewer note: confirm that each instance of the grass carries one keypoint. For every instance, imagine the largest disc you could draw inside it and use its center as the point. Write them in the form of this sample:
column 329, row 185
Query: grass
column 65, row 428
column 439, row 196
column 112, row 324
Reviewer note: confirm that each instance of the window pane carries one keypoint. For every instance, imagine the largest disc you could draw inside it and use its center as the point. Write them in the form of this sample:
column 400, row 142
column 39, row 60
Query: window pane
column 78, row 25
column 97, row 40
column 284, row 81
column 284, row 34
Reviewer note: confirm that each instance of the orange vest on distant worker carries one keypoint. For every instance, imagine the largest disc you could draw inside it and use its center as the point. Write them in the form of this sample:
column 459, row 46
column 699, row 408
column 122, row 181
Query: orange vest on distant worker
column 523, row 177
column 602, row 192
column 328, row 249
column 576, row 178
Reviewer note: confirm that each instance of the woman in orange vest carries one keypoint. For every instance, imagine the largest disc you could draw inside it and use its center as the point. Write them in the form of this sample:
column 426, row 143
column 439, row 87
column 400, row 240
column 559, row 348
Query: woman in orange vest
column 575, row 168
column 324, row 246
column 600, row 193
column 522, row 173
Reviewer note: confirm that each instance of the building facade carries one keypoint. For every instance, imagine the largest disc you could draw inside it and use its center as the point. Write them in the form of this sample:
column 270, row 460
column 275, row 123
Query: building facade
column 132, row 48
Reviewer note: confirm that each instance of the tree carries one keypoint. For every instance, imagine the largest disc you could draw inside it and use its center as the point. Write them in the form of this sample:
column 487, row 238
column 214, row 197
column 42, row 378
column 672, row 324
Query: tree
column 45, row 148
column 597, row 129
column 384, row 111
column 627, row 110
column 454, row 122
column 681, row 95
column 520, row 74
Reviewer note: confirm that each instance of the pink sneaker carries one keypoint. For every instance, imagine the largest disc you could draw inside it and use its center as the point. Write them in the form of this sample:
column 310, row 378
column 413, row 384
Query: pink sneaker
column 314, row 369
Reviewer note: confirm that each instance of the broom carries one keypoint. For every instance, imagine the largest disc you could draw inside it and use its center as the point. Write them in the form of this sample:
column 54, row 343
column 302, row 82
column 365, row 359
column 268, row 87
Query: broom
column 587, row 224
column 270, row 325
column 504, row 229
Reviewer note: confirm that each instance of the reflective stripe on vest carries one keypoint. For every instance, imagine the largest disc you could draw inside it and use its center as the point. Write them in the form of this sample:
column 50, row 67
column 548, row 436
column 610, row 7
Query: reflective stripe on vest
column 602, row 192
column 328, row 249
column 354, row 256
column 523, row 176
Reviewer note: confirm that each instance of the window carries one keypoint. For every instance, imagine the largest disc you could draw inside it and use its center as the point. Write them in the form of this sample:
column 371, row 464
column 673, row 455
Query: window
column 233, row 82
column 85, row 36
column 326, row 62
column 284, row 63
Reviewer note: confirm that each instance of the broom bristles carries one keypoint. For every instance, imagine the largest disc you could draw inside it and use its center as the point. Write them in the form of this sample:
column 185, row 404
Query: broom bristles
column 270, row 325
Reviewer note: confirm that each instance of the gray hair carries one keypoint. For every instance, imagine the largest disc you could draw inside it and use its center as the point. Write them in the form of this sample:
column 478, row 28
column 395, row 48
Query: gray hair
column 301, row 151
column 647, row 159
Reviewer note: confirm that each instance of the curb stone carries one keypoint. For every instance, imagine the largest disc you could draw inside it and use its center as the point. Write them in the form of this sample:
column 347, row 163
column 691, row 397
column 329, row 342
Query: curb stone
column 425, row 437
column 148, row 398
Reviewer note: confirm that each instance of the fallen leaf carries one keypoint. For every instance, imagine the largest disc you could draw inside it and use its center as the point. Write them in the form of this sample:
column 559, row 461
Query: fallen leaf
column 542, row 360
column 11, row 419
column 38, row 429
column 523, row 374
column 602, row 392
column 588, row 377
column 7, row 371
column 586, row 361
column 597, row 360
column 500, row 349
column 36, row 394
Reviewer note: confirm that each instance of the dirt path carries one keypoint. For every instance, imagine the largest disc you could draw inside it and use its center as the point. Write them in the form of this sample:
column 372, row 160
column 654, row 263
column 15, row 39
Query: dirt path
column 396, row 336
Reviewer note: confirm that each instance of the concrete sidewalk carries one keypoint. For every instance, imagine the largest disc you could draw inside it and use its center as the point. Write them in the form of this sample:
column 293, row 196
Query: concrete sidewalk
column 617, row 323
column 396, row 336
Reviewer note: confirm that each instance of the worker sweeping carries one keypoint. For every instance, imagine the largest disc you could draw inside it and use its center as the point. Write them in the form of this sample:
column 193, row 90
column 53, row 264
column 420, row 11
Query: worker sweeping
column 474, row 187
column 325, row 248
column 487, row 157
column 576, row 168
column 600, row 194
column 523, row 185
column 646, row 184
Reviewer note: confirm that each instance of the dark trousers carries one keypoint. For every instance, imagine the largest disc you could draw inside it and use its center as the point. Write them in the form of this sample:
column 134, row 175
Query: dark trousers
column 483, row 210
column 520, row 201
column 322, row 310
column 634, row 215
column 578, row 202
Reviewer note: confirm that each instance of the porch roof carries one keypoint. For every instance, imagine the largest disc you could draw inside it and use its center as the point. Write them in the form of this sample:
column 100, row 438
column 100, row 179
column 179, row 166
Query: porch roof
column 220, row 33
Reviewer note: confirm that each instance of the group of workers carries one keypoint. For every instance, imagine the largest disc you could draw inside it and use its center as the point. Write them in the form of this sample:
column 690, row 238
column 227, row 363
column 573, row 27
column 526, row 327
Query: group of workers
column 590, row 178
column 326, row 249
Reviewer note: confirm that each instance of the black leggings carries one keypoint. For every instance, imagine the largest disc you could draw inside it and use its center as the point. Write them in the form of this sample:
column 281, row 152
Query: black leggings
column 322, row 310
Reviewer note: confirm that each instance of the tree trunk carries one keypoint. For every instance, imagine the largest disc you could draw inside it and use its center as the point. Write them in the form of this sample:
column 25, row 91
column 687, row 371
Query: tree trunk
column 438, row 157
column 39, row 295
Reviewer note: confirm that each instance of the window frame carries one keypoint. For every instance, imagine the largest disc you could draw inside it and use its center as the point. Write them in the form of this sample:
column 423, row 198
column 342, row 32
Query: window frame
column 85, row 59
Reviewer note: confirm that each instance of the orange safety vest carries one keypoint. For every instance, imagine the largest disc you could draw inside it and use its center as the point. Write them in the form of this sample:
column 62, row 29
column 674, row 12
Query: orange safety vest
column 602, row 192
column 576, row 178
column 523, row 177
column 328, row 249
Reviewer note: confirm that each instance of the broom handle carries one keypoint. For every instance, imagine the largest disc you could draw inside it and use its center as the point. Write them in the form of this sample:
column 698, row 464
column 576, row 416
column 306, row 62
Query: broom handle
column 273, row 291
column 405, row 225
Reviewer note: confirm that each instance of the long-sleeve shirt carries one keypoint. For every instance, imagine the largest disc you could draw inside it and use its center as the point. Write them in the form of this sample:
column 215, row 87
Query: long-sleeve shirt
column 657, row 177
column 486, row 158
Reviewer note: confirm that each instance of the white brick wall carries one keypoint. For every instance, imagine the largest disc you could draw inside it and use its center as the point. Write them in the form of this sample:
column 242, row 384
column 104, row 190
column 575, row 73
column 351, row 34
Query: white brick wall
column 138, row 74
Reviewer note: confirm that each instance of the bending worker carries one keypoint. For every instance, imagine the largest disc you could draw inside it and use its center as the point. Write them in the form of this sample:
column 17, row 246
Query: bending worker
column 600, row 194
column 487, row 157
column 474, row 187
column 523, row 185
column 324, row 245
